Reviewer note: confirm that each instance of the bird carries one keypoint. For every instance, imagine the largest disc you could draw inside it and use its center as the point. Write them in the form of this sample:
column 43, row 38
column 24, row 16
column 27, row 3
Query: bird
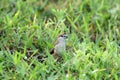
column 59, row 46
column 58, row 49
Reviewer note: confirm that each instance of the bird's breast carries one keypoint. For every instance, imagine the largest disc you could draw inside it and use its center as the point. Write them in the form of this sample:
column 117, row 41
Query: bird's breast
column 60, row 48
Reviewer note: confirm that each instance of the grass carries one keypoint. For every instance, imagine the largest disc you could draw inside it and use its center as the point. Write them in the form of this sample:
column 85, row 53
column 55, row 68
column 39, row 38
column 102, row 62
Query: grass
column 29, row 28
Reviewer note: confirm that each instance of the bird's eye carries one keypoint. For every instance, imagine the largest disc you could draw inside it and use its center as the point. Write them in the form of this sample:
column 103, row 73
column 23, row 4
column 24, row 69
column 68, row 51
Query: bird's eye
column 62, row 36
column 65, row 36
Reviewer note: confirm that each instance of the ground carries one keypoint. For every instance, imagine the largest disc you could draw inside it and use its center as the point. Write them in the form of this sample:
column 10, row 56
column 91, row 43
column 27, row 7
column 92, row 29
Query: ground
column 28, row 28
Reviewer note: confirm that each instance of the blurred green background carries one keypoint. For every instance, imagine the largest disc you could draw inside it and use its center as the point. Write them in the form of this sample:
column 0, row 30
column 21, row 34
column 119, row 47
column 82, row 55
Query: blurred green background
column 29, row 28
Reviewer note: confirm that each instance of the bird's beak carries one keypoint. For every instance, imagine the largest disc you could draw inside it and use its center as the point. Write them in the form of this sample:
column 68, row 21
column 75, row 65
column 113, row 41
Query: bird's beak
column 66, row 37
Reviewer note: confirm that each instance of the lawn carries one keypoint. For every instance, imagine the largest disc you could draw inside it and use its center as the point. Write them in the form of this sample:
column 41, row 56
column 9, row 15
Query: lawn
column 28, row 28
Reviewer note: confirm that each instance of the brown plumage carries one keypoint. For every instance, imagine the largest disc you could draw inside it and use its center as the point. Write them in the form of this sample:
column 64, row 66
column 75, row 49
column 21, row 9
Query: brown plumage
column 52, row 51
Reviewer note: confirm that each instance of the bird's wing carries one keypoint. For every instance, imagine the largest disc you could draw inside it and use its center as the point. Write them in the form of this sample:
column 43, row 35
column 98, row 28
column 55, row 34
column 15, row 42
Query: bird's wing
column 52, row 51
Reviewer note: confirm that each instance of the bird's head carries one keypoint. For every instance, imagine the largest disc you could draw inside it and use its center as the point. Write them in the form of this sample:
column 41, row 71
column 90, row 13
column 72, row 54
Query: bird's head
column 62, row 37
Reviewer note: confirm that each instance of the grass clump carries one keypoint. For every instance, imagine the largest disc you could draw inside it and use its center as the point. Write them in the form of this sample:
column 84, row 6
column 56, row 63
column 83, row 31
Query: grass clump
column 28, row 29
